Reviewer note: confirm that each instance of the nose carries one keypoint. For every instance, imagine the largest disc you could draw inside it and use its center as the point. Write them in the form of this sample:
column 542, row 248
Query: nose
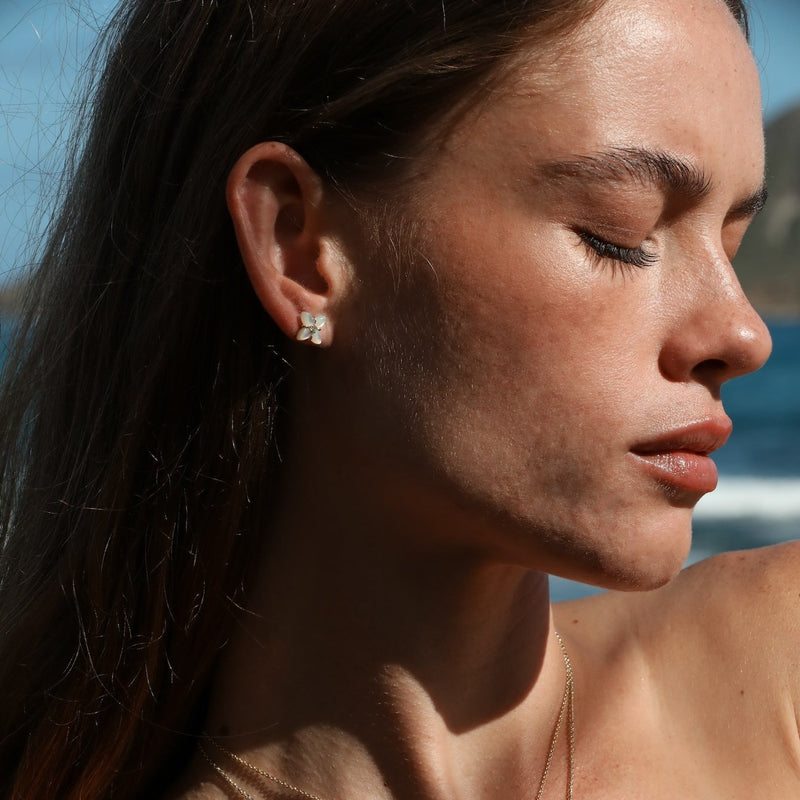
column 716, row 335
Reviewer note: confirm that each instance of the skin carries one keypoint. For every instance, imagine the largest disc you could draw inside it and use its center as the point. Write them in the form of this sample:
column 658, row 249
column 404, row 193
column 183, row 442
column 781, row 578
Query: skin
column 399, row 641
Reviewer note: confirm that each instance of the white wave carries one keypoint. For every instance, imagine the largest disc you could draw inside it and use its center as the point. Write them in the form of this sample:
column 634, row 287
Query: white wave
column 765, row 498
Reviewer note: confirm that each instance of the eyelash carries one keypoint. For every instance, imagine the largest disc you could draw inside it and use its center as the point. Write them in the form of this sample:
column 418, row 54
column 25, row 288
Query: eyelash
column 626, row 256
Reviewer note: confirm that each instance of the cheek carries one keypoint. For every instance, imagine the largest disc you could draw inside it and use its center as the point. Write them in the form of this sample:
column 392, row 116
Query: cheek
column 505, row 385
column 527, row 355
column 527, row 316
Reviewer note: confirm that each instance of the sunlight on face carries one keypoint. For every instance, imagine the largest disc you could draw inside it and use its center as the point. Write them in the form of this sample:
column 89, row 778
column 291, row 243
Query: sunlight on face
column 574, row 307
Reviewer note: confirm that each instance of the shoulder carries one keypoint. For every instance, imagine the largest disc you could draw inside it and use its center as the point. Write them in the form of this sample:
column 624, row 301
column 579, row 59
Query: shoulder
column 735, row 613
column 762, row 586
column 706, row 670
column 758, row 589
column 739, row 612
column 713, row 657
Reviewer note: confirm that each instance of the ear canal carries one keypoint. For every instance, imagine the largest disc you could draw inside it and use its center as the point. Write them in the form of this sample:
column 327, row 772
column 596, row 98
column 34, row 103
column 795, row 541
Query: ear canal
column 290, row 221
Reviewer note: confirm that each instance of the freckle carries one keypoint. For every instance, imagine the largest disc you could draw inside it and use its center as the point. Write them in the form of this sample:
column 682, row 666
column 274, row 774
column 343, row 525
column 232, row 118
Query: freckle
column 575, row 622
column 741, row 692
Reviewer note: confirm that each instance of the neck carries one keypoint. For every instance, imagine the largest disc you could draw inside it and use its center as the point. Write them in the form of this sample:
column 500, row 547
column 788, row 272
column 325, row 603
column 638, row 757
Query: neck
column 386, row 651
column 366, row 668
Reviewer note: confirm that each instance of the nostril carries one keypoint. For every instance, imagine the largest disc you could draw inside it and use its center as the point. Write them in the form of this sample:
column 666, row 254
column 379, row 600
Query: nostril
column 712, row 372
column 712, row 365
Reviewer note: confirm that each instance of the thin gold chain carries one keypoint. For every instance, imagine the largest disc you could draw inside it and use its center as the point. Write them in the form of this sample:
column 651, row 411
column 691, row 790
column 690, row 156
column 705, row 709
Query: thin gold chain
column 224, row 775
column 567, row 711
column 253, row 768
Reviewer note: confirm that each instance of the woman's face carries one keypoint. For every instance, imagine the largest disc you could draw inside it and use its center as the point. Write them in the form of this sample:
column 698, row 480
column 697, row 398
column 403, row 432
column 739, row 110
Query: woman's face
column 573, row 312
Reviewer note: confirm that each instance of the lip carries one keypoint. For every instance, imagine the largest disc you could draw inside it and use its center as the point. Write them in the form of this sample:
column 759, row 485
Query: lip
column 679, row 458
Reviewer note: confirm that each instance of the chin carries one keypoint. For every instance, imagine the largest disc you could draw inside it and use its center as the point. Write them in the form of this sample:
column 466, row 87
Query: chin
column 639, row 557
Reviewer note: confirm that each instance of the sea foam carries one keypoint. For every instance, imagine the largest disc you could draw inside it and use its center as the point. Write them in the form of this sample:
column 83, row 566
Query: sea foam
column 764, row 498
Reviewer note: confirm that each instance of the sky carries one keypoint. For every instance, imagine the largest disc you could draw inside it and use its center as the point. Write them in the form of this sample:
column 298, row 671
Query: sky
column 776, row 45
column 44, row 42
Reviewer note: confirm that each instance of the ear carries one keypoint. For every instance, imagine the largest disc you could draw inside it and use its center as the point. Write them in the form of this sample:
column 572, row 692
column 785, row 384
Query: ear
column 276, row 202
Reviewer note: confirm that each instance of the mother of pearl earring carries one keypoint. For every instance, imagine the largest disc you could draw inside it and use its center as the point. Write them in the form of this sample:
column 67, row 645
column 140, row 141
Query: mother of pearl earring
column 310, row 327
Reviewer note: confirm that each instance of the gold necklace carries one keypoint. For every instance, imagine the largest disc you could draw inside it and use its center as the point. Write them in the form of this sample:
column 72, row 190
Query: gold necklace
column 567, row 711
column 248, row 766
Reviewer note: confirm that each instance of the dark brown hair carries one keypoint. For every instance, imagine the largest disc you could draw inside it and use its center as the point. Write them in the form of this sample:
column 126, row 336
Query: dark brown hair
column 140, row 407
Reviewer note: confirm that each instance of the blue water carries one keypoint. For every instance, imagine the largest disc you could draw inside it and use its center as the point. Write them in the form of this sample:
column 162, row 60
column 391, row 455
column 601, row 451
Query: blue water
column 765, row 409
column 758, row 498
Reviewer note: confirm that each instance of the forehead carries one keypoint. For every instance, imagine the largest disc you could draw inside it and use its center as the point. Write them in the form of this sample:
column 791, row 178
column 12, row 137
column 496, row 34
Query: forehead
column 640, row 48
column 673, row 76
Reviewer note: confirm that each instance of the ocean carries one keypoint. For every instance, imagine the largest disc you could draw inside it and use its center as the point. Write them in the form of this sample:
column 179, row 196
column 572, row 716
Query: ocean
column 757, row 501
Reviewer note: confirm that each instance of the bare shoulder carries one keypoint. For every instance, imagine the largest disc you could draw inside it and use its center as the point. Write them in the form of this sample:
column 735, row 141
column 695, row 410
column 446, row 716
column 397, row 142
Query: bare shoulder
column 709, row 666
column 762, row 585
column 740, row 608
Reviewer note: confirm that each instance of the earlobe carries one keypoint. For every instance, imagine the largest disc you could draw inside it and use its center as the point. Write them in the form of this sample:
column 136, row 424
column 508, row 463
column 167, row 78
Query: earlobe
column 276, row 203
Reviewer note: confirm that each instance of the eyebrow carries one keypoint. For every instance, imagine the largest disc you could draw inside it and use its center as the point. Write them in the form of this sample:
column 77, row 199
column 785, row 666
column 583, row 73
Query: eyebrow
column 665, row 171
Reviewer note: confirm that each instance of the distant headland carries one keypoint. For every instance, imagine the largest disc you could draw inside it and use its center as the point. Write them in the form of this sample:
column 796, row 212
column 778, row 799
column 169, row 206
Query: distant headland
column 768, row 263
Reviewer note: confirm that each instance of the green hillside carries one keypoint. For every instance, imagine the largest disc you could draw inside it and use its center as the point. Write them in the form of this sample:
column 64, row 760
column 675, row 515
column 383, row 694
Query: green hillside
column 769, row 259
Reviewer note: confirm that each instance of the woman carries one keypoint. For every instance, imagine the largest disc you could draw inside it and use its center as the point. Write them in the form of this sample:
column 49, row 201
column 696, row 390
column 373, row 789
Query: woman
column 286, row 466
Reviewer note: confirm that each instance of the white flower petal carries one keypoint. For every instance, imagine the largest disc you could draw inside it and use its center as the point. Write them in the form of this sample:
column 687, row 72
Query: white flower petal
column 303, row 334
column 320, row 320
column 307, row 319
column 315, row 337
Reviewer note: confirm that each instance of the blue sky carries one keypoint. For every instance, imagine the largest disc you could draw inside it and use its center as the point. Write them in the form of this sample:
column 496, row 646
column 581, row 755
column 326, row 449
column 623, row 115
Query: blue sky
column 43, row 44
column 776, row 44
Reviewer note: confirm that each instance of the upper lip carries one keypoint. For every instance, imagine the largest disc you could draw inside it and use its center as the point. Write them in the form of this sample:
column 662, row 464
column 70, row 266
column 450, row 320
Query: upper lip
column 701, row 437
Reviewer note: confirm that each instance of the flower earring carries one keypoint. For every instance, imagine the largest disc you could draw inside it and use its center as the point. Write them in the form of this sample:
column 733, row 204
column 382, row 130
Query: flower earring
column 310, row 327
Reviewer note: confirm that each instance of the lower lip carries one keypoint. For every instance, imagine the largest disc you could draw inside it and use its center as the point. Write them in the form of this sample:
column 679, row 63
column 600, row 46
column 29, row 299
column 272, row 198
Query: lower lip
column 680, row 469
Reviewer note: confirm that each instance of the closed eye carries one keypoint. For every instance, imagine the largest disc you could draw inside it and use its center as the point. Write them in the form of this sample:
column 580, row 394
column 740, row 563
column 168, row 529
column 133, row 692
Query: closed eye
column 630, row 256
